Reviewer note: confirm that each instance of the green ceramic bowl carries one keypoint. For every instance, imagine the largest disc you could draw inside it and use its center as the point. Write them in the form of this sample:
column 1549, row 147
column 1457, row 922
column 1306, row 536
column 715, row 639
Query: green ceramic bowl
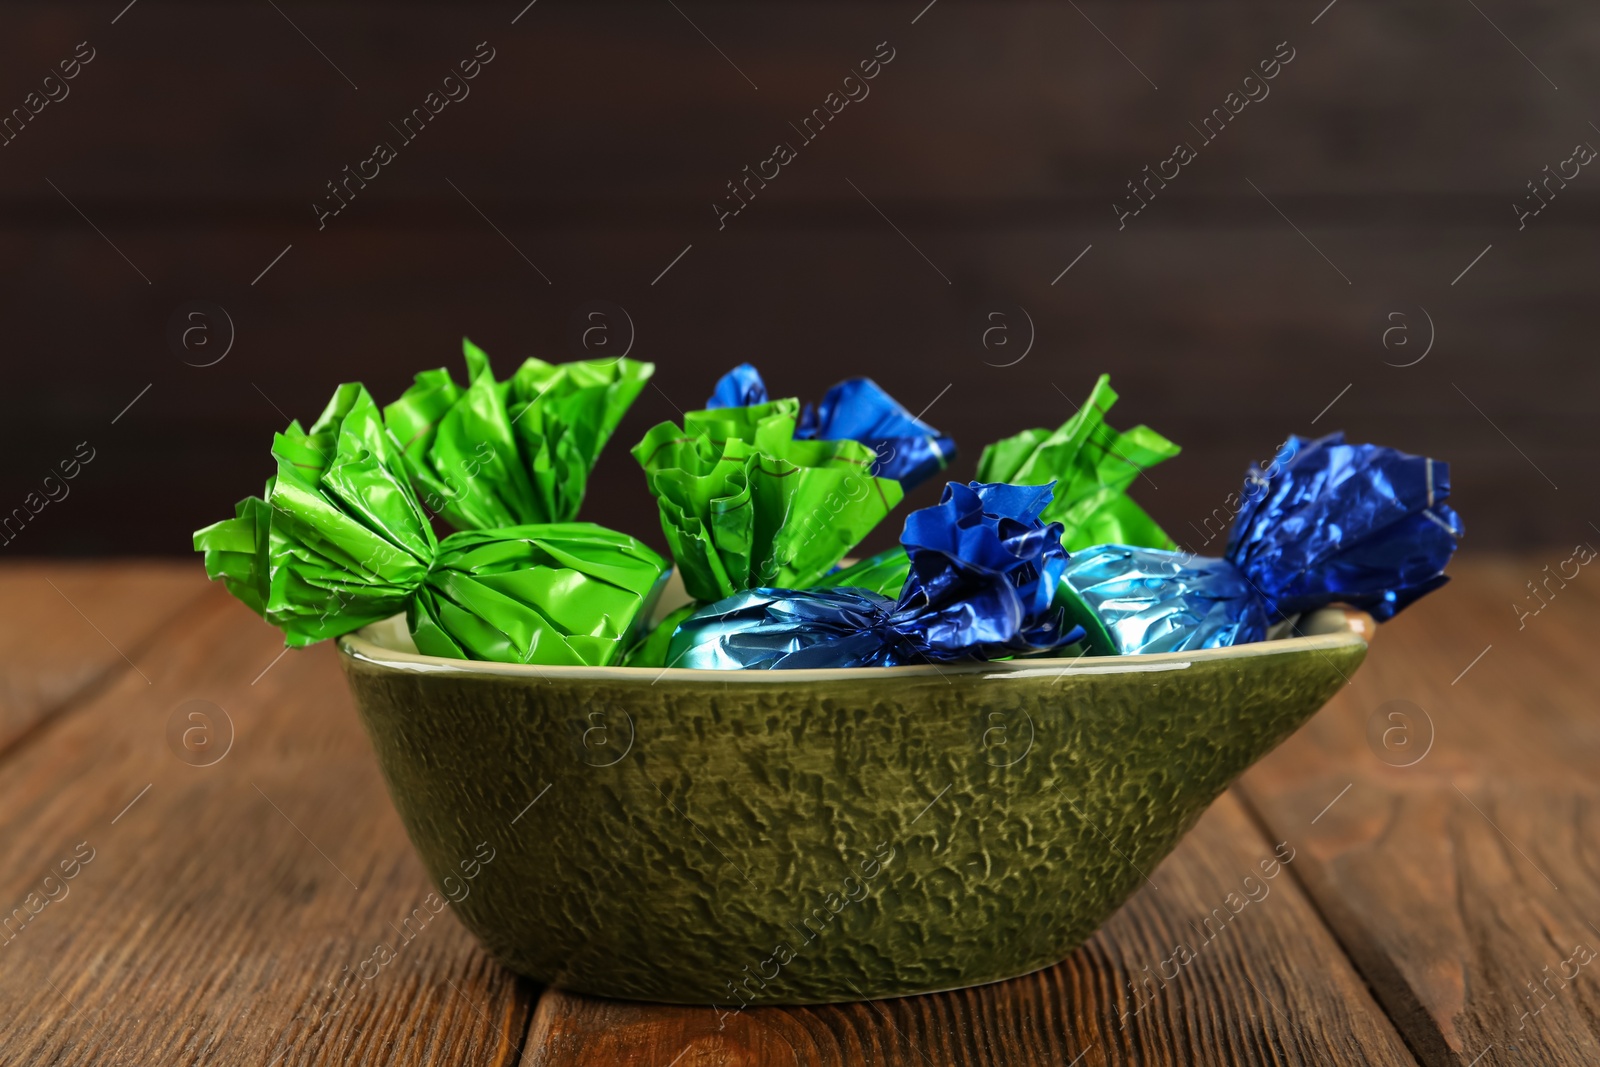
column 797, row 837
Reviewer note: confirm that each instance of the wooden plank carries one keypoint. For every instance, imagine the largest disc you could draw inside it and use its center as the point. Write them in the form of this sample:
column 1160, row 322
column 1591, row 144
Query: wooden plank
column 1270, row 987
column 1031, row 102
column 1464, row 885
column 69, row 627
column 1224, row 339
column 216, row 912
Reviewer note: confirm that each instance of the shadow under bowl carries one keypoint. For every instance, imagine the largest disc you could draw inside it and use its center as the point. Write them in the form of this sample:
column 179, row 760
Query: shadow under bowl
column 799, row 837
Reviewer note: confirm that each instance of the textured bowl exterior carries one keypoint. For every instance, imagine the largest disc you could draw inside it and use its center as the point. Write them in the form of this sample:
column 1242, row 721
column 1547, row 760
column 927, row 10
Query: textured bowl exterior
column 780, row 837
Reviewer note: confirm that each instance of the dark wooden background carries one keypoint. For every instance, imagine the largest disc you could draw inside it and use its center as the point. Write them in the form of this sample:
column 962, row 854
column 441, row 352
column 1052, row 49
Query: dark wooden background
column 997, row 140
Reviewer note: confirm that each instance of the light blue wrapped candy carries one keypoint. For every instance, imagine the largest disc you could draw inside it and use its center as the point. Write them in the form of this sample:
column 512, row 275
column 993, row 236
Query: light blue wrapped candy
column 1325, row 522
column 1154, row 600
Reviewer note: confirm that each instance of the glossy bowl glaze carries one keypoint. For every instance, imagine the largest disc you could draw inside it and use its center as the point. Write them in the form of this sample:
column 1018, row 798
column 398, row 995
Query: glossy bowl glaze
column 793, row 837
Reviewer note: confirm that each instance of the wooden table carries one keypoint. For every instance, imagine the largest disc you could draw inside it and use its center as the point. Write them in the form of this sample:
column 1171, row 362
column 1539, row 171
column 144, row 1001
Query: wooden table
column 1441, row 906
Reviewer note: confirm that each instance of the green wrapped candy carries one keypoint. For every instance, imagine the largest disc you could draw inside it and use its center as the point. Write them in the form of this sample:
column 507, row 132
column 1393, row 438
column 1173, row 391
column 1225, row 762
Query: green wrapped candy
column 651, row 651
column 340, row 541
column 236, row 552
column 744, row 505
column 884, row 573
column 506, row 453
column 550, row 593
column 1092, row 465
column 347, row 541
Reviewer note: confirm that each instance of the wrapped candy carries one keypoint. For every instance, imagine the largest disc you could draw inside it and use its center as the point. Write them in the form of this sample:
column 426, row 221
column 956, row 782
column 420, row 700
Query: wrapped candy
column 519, row 451
column 857, row 409
column 790, row 628
column 884, row 573
column 651, row 649
column 1130, row 599
column 561, row 592
column 744, row 504
column 339, row 540
column 984, row 570
column 1325, row 522
column 1092, row 465
column 760, row 501
column 1358, row 524
column 741, row 387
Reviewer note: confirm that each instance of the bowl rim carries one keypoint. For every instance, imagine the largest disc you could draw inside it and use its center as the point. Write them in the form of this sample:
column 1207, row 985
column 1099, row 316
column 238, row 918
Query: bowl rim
column 1331, row 628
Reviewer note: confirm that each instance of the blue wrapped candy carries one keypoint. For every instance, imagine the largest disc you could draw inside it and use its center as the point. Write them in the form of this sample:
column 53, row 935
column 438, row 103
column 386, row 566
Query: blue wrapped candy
column 1360, row 524
column 983, row 581
column 789, row 629
column 741, row 387
column 1325, row 522
column 1131, row 599
column 857, row 409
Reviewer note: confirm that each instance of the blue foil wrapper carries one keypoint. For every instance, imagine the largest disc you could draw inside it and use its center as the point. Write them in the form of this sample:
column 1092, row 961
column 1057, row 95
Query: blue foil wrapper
column 741, row 387
column 1154, row 600
column 984, row 572
column 1356, row 524
column 769, row 629
column 984, row 577
column 857, row 409
column 1325, row 522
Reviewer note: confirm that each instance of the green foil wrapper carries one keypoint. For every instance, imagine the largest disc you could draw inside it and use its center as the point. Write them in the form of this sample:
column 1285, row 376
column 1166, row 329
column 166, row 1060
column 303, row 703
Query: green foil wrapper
column 236, row 552
column 1092, row 465
column 884, row 573
column 498, row 454
column 652, row 650
column 744, row 505
column 551, row 593
column 339, row 541
column 348, row 543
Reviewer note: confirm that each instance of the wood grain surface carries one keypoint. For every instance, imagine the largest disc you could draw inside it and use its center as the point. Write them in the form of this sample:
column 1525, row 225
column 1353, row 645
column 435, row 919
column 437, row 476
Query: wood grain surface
column 1459, row 867
column 56, row 652
column 222, row 908
column 216, row 912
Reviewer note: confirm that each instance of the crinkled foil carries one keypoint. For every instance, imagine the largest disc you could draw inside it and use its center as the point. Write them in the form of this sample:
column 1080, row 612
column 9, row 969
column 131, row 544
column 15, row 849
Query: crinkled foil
column 339, row 540
column 1324, row 522
column 513, row 452
column 744, row 505
column 857, row 409
column 1093, row 466
column 1329, row 522
column 1132, row 599
column 983, row 581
